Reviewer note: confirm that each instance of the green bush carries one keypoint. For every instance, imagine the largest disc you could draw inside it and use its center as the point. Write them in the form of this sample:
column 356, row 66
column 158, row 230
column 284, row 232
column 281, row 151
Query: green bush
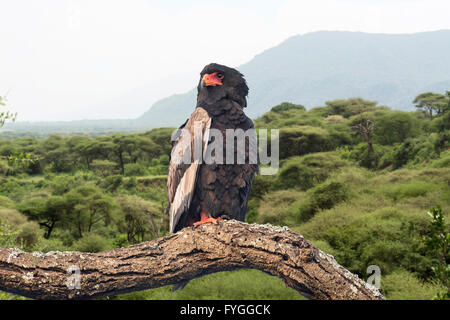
column 381, row 157
column 306, row 211
column 327, row 195
column 52, row 244
column 324, row 196
column 27, row 233
column 9, row 186
column 339, row 135
column 261, row 185
column 92, row 243
column 403, row 285
column 62, row 184
column 442, row 162
column 111, row 183
column 442, row 123
column 6, row 202
column 278, row 207
column 411, row 189
column 309, row 170
column 104, row 168
column 6, row 169
column 164, row 160
column 130, row 183
column 252, row 211
column 395, row 127
column 387, row 237
column 120, row 241
column 298, row 175
column 159, row 169
column 8, row 235
column 416, row 150
column 302, row 140
column 135, row 169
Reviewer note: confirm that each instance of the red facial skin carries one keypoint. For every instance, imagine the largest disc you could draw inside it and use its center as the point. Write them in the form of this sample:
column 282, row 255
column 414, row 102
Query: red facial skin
column 212, row 80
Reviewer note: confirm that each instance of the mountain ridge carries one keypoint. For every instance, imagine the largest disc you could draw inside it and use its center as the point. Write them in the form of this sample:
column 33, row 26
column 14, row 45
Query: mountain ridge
column 311, row 69
column 326, row 65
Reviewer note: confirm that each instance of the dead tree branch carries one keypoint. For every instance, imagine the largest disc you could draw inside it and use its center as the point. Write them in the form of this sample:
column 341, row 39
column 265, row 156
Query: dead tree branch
column 365, row 128
column 190, row 253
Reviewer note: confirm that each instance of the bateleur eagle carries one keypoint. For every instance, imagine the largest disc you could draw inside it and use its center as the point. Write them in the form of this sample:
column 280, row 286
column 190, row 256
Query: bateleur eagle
column 201, row 192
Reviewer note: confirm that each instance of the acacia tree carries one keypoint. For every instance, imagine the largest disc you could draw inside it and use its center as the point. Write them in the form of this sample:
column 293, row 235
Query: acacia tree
column 48, row 212
column 432, row 103
column 128, row 148
column 56, row 153
column 350, row 107
column 83, row 148
column 139, row 218
column 395, row 126
column 90, row 206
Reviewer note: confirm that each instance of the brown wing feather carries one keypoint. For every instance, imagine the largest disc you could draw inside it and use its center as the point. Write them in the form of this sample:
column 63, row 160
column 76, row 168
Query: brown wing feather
column 182, row 177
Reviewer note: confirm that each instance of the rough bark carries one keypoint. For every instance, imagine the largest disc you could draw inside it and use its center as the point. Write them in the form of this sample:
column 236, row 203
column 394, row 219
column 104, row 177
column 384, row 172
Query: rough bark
column 190, row 253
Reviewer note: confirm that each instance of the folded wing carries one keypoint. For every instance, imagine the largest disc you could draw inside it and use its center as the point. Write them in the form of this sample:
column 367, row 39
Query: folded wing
column 184, row 163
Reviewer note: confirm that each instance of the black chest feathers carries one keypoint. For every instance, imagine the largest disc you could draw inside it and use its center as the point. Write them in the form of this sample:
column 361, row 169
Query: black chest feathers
column 223, row 188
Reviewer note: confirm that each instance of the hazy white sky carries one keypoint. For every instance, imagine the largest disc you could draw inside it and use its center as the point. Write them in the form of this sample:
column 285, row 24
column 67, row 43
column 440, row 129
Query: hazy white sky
column 68, row 59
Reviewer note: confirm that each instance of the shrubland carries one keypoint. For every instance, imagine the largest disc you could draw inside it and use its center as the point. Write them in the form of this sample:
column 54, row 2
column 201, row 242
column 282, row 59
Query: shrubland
column 362, row 197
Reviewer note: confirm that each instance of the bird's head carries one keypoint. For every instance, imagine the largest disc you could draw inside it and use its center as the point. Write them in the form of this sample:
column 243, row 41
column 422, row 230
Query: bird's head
column 219, row 81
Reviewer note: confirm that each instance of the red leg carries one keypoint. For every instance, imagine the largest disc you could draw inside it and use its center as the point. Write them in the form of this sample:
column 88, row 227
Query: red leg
column 206, row 218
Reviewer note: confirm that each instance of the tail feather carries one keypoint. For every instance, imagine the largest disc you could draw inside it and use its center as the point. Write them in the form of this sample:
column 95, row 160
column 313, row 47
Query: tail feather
column 180, row 285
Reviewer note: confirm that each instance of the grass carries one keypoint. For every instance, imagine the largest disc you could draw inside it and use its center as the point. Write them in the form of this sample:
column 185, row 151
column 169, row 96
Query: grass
column 279, row 207
column 403, row 285
column 415, row 188
column 235, row 285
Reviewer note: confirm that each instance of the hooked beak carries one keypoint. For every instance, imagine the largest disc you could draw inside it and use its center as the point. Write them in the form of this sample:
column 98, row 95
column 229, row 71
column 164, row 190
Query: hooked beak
column 211, row 80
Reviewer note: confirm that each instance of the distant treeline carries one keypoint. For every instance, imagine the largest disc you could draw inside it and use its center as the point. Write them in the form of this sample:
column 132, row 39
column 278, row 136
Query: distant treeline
column 118, row 153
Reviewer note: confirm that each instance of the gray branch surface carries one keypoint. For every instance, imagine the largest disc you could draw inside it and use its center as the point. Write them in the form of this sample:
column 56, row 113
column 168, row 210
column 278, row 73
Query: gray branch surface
column 188, row 254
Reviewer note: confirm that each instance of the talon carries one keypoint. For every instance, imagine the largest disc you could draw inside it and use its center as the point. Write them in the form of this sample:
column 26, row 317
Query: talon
column 205, row 218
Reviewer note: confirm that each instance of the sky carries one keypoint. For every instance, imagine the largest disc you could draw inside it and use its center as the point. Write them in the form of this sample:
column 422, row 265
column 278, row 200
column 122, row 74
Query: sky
column 76, row 59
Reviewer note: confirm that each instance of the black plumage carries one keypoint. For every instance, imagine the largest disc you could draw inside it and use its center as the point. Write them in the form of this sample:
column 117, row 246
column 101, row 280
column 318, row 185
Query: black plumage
column 219, row 190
